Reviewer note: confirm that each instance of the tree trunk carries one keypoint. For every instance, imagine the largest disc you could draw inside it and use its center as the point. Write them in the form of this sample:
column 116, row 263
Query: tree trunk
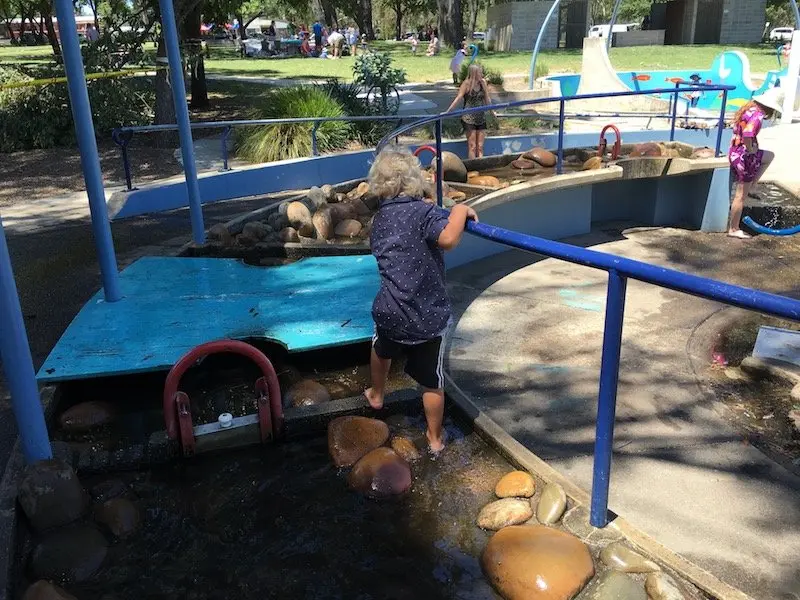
column 51, row 31
column 329, row 14
column 473, row 17
column 451, row 28
column 164, row 109
column 366, row 10
column 197, row 70
column 398, row 20
column 318, row 10
column 242, row 27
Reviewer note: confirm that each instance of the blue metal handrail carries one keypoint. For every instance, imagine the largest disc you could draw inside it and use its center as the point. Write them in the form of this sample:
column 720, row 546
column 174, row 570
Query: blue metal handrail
column 619, row 271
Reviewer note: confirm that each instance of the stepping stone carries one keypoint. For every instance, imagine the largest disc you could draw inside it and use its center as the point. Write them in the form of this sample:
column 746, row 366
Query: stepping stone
column 381, row 474
column 351, row 438
column 551, row 505
column 661, row 586
column 613, row 585
column 517, row 484
column 51, row 495
column 621, row 558
column 505, row 512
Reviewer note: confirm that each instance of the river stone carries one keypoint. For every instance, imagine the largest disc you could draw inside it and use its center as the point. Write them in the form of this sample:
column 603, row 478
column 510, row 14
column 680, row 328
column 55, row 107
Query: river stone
column 485, row 181
column 534, row 562
column 306, row 232
column 405, row 448
column 614, row 586
column 246, row 241
column 358, row 191
column 453, row 168
column 661, row 586
column 621, row 558
column 704, row 152
column 380, row 474
column 307, row 393
column 523, row 163
column 289, row 234
column 350, row 438
column 298, row 215
column 283, row 209
column 594, row 162
column 221, row 234
column 328, row 193
column 517, row 484
column 87, row 416
column 120, row 515
column 361, row 208
column 648, row 149
column 51, row 495
column 109, row 489
column 44, row 590
column 255, row 229
column 541, row 156
column 349, row 228
column 457, row 196
column 71, row 554
column 505, row 512
column 323, row 224
column 343, row 211
column 551, row 505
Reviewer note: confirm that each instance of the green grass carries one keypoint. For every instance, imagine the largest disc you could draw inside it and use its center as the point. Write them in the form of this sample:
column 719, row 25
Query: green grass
column 423, row 69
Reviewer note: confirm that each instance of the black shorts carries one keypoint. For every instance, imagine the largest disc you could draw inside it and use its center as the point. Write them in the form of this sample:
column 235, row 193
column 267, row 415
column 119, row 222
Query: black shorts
column 424, row 362
column 470, row 127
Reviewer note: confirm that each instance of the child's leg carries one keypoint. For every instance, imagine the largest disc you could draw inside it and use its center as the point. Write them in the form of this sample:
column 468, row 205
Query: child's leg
column 737, row 206
column 433, row 402
column 378, row 371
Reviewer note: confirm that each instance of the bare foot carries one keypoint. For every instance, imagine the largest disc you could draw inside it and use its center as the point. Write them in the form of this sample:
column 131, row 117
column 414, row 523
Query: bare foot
column 738, row 233
column 435, row 445
column 375, row 400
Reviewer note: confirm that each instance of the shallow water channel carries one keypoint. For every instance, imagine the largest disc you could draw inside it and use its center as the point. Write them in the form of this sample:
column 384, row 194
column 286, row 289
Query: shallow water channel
column 280, row 522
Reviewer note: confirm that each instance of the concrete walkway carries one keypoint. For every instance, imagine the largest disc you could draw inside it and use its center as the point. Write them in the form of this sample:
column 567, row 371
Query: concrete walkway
column 527, row 349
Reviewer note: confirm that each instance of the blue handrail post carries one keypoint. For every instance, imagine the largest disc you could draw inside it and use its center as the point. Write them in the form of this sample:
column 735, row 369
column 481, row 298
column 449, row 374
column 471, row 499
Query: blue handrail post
column 87, row 144
column 674, row 113
column 439, row 194
column 314, row 150
column 18, row 365
column 532, row 74
column 721, row 124
column 560, row 155
column 170, row 33
column 607, row 397
column 614, row 14
column 226, row 133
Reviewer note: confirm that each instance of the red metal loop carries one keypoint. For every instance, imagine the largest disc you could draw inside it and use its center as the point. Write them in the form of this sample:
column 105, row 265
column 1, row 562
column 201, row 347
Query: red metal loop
column 422, row 149
column 218, row 347
column 601, row 147
column 263, row 405
column 183, row 409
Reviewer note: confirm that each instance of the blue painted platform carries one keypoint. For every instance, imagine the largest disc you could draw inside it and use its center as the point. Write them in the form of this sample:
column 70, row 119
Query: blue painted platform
column 173, row 304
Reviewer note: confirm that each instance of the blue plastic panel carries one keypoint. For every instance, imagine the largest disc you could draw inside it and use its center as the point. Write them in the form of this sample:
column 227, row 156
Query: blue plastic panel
column 174, row 304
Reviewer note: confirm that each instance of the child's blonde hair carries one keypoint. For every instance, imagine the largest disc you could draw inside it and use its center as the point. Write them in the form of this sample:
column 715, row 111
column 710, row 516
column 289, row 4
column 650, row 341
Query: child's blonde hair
column 396, row 172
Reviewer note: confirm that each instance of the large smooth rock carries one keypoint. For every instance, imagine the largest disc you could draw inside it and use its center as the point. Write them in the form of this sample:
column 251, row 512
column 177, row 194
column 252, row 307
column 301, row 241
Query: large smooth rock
column 44, row 590
column 405, row 448
column 621, row 558
column 86, row 416
column 350, row 438
column 534, row 562
column 551, row 505
column 299, row 215
column 343, row 211
column 453, row 168
column 316, row 198
column 704, row 152
column 358, row 191
column 541, row 156
column 505, row 512
column 524, row 163
column 381, row 474
column 517, row 484
column 593, row 163
column 51, row 495
column 348, row 228
column 289, row 234
column 329, row 193
column 71, row 554
column 484, row 180
column 613, row 585
column 220, row 234
column 648, row 149
column 255, row 229
column 307, row 393
column 661, row 586
column 323, row 224
column 120, row 515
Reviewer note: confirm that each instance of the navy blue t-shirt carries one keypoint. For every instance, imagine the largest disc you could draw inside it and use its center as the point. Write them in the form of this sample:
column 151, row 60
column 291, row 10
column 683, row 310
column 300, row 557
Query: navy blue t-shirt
column 317, row 29
column 412, row 304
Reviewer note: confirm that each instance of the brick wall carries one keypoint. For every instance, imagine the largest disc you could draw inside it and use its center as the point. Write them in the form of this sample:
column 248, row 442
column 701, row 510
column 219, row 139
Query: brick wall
column 742, row 21
column 515, row 25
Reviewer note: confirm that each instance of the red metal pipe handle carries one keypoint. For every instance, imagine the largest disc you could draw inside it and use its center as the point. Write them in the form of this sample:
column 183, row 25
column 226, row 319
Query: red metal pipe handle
column 269, row 380
column 601, row 147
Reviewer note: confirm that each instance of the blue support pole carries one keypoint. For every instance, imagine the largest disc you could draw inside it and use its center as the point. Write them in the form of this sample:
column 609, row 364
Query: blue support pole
column 170, row 33
column 607, row 398
column 87, row 144
column 439, row 170
column 721, row 123
column 18, row 366
column 539, row 43
column 674, row 114
column 560, row 155
column 614, row 14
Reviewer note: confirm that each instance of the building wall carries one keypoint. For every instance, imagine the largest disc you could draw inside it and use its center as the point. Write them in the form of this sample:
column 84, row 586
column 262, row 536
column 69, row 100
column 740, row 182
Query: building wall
column 742, row 21
column 515, row 25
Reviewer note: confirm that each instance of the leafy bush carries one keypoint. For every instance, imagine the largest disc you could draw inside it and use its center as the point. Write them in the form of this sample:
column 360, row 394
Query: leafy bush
column 375, row 70
column 542, row 69
column 278, row 142
column 491, row 76
column 369, row 133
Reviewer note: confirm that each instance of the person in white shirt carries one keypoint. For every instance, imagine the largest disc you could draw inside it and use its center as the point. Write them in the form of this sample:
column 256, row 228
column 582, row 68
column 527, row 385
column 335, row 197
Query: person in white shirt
column 336, row 41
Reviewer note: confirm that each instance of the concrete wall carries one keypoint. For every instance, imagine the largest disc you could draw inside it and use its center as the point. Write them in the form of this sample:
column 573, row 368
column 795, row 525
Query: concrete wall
column 742, row 21
column 651, row 37
column 515, row 25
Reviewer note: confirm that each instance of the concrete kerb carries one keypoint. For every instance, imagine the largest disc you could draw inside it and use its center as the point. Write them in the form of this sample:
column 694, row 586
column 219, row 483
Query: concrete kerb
column 522, row 458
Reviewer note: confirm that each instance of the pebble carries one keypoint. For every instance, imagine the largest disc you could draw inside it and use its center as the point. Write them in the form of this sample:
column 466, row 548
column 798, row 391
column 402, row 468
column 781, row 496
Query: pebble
column 551, row 505
column 289, row 234
column 246, row 241
column 361, row 208
column 348, row 228
column 44, row 590
column 71, row 554
column 306, row 393
column 704, row 152
column 534, row 562
column 328, row 193
column 51, row 495
column 298, row 215
column 323, row 224
column 221, row 234
column 256, row 229
column 405, row 448
column 358, row 191
column 517, row 484
column 593, row 163
column 86, row 416
column 316, row 198
column 343, row 211
column 661, row 586
column 380, row 474
column 350, row 438
column 621, row 558
column 503, row 513
column 484, row 180
column 120, row 515
column 457, row 196
column 613, row 585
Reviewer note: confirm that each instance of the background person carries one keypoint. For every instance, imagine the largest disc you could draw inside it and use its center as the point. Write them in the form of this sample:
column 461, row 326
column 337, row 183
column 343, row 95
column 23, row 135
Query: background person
column 317, row 29
column 336, row 42
column 474, row 92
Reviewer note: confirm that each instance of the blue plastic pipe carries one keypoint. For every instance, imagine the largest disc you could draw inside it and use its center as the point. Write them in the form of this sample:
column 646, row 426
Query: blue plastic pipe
column 607, row 398
column 87, row 144
column 614, row 14
column 18, row 366
column 768, row 230
column 539, row 42
column 170, row 33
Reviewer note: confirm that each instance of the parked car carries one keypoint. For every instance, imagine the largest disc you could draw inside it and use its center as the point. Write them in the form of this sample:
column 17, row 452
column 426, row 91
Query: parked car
column 781, row 34
column 478, row 35
column 602, row 30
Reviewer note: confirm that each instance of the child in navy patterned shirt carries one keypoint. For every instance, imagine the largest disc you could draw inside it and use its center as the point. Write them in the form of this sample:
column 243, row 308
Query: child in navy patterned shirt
column 411, row 311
